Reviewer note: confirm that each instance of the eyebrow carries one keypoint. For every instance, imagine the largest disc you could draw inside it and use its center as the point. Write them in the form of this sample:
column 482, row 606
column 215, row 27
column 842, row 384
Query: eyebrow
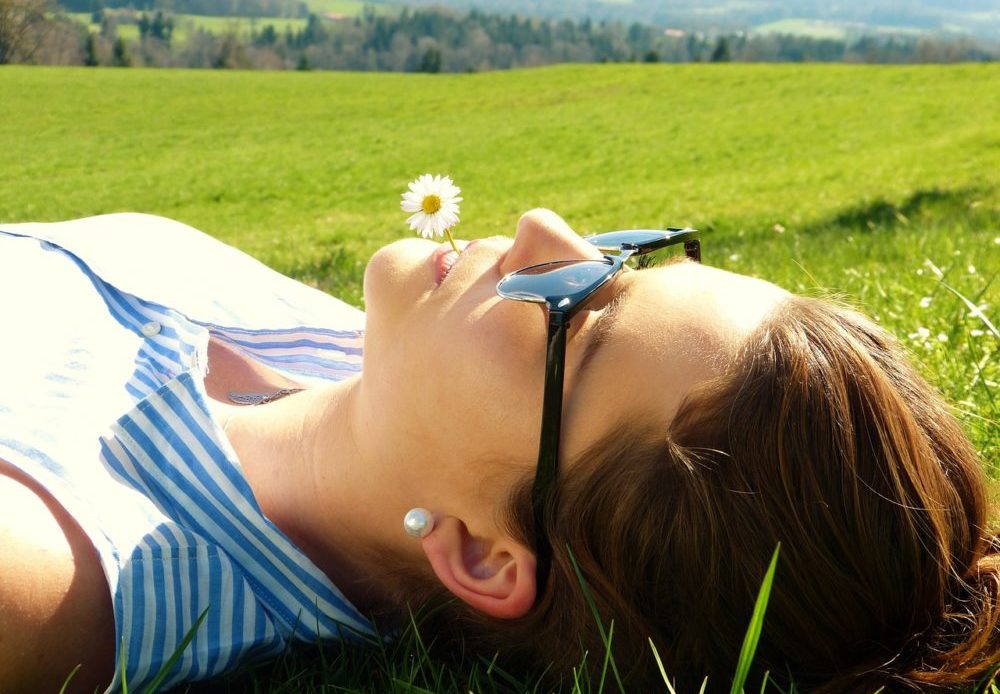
column 600, row 334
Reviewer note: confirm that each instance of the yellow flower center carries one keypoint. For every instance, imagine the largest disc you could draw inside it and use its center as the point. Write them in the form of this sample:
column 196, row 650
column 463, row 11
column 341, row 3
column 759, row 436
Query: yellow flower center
column 431, row 204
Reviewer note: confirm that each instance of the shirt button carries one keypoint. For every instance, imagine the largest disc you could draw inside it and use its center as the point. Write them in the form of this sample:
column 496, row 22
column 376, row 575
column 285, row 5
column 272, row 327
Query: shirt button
column 151, row 328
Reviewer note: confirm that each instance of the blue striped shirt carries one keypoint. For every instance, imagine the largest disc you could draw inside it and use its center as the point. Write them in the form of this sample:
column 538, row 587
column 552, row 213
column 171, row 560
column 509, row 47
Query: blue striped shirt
column 106, row 324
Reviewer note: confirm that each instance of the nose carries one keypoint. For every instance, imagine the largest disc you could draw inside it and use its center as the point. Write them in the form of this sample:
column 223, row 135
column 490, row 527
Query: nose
column 543, row 236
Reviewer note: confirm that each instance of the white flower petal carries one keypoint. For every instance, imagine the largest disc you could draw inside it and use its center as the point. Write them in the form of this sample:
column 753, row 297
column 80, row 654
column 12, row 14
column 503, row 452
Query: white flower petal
column 417, row 221
column 447, row 214
column 411, row 202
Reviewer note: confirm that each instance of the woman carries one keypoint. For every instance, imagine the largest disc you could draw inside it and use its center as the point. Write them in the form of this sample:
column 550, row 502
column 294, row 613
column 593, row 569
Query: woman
column 706, row 417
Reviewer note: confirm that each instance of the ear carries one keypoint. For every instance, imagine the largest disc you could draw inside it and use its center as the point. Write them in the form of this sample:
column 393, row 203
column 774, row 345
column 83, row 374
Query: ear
column 494, row 576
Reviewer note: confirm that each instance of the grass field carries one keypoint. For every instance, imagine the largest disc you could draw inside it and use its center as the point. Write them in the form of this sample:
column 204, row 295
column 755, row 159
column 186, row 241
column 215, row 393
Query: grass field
column 185, row 24
column 347, row 8
column 880, row 184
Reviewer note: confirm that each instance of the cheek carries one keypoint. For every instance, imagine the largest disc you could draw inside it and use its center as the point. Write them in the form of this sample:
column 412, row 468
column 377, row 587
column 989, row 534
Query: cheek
column 465, row 381
column 492, row 379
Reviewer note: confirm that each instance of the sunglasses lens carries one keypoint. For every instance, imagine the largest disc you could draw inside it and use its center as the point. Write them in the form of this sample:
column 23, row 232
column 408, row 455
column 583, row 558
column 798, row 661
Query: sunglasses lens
column 545, row 282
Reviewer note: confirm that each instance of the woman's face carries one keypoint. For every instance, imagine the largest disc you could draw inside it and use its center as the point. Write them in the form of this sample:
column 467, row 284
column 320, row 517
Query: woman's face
column 453, row 373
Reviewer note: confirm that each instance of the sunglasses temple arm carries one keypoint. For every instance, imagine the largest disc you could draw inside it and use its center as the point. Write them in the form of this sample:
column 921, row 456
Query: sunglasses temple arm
column 543, row 491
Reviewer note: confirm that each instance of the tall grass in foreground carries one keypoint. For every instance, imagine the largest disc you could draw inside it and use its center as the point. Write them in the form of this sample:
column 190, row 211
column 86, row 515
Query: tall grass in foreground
column 421, row 673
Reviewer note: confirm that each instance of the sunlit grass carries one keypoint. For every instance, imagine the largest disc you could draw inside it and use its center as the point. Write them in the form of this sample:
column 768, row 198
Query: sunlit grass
column 877, row 184
column 348, row 8
column 186, row 24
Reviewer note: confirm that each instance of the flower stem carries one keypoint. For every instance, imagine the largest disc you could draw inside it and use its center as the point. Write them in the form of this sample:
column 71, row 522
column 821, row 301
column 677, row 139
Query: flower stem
column 451, row 240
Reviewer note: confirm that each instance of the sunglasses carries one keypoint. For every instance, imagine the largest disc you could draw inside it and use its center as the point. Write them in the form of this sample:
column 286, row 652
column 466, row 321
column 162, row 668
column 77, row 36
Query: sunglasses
column 564, row 287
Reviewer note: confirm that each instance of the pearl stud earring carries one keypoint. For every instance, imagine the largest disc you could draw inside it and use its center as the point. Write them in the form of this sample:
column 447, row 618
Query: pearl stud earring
column 418, row 522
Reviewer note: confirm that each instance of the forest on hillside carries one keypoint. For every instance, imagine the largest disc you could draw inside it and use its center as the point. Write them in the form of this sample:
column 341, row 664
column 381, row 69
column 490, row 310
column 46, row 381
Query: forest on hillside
column 215, row 8
column 976, row 17
column 433, row 40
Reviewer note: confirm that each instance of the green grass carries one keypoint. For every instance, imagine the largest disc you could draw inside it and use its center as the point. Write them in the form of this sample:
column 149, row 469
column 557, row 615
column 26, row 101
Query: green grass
column 185, row 24
column 868, row 182
column 128, row 32
column 347, row 8
column 239, row 25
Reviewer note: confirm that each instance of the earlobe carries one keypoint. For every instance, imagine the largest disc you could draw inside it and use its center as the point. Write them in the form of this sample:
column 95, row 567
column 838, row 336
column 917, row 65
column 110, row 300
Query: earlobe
column 494, row 576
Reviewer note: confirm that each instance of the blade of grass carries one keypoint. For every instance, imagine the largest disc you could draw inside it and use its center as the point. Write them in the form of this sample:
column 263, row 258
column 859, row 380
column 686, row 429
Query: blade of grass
column 607, row 657
column 407, row 687
column 124, row 652
column 62, row 689
column 423, row 659
column 989, row 678
column 576, row 677
column 493, row 670
column 659, row 664
column 153, row 686
column 597, row 617
column 974, row 310
column 755, row 627
column 980, row 379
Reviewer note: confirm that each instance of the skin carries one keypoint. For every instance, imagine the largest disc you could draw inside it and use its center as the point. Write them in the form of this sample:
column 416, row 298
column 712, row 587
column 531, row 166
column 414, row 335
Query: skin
column 445, row 416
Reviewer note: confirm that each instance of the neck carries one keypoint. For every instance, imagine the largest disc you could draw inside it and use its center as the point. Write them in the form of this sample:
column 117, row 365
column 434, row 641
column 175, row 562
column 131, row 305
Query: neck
column 301, row 455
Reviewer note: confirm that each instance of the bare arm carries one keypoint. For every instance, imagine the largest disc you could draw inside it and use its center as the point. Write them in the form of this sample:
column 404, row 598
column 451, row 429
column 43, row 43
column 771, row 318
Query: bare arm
column 55, row 607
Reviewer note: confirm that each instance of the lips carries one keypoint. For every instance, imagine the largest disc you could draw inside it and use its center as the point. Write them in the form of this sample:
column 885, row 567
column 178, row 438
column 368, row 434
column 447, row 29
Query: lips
column 443, row 259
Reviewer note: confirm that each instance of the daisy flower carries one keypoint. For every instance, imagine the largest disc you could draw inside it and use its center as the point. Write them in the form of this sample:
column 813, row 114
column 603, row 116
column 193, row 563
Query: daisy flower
column 433, row 202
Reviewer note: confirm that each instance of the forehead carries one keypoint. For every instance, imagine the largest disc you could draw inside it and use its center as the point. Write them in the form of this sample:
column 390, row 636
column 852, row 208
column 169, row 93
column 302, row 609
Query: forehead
column 679, row 325
column 669, row 305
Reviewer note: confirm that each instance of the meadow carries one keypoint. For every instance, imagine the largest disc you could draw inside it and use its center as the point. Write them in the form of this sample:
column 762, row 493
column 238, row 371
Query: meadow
column 348, row 8
column 187, row 24
column 880, row 185
column 244, row 27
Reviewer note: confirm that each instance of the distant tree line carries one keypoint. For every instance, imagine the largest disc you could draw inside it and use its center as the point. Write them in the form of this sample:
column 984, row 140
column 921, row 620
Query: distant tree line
column 974, row 16
column 219, row 8
column 438, row 41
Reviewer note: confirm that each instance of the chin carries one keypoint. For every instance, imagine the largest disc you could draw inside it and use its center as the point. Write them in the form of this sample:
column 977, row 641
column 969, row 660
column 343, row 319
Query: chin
column 397, row 274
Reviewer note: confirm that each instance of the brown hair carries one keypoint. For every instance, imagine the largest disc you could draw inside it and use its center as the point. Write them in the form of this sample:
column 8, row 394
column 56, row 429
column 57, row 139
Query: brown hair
column 821, row 437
